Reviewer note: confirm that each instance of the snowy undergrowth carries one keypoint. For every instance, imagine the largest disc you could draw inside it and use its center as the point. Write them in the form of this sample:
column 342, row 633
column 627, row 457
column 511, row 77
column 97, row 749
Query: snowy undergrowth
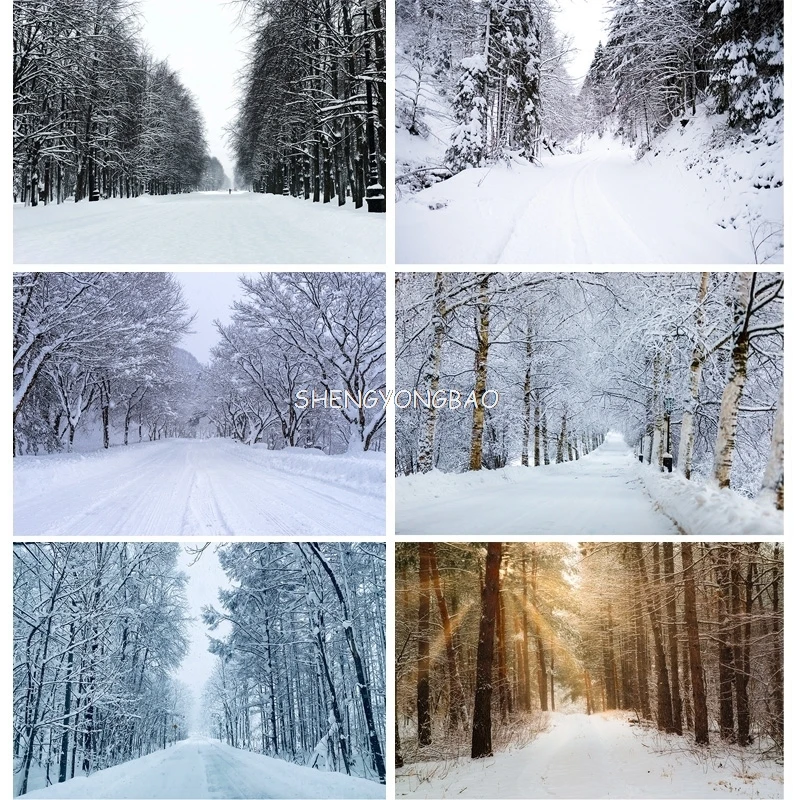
column 741, row 173
column 602, row 755
column 436, row 760
column 419, row 156
column 700, row 508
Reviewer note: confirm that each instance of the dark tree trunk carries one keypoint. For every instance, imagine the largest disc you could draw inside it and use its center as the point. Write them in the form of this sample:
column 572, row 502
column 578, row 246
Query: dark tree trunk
column 482, row 714
column 672, row 636
column 700, row 710
column 423, row 648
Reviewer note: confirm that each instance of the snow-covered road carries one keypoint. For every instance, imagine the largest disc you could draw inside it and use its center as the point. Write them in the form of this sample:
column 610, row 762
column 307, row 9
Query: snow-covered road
column 594, row 208
column 596, row 756
column 199, row 228
column 206, row 768
column 598, row 494
column 192, row 486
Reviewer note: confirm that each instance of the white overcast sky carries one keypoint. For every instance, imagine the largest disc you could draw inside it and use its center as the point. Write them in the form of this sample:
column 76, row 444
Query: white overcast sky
column 206, row 577
column 209, row 296
column 202, row 42
column 585, row 22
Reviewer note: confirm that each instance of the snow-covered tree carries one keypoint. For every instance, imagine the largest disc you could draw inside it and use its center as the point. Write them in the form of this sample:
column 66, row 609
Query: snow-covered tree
column 302, row 675
column 747, row 62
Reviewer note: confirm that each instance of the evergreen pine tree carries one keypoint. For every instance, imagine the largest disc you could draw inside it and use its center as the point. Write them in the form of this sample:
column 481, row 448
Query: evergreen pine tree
column 747, row 66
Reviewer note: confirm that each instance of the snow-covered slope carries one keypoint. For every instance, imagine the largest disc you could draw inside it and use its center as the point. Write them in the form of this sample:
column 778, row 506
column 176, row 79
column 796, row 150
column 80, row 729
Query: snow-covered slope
column 202, row 768
column 190, row 486
column 199, row 228
column 703, row 194
column 596, row 756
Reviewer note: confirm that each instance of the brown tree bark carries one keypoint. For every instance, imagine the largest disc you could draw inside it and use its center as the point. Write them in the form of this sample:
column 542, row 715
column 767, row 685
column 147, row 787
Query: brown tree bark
column 664, row 705
column 481, row 372
column 424, row 648
column 482, row 714
column 700, row 709
column 457, row 715
column 672, row 636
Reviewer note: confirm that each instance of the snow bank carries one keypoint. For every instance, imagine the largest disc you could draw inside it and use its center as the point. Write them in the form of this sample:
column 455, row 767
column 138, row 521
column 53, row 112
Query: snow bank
column 702, row 509
column 703, row 194
column 365, row 472
column 741, row 175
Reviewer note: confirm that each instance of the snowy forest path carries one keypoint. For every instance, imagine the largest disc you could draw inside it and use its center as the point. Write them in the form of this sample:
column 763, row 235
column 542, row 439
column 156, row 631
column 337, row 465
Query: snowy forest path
column 598, row 494
column 597, row 207
column 185, row 487
column 198, row 228
column 580, row 754
column 206, row 768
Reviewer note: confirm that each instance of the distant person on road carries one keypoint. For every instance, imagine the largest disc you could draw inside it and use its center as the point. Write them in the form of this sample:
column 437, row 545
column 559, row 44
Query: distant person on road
column 230, row 190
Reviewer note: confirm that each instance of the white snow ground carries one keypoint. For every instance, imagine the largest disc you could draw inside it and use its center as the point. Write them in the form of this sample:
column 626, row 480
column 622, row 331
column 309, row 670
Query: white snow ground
column 596, row 756
column 195, row 487
column 205, row 768
column 599, row 207
column 199, row 228
column 601, row 493
column 699, row 197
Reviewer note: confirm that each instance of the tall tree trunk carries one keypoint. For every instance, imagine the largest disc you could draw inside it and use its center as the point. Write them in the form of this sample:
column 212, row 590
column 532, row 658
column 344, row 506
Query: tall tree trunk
column 776, row 689
column 672, row 636
column 691, row 400
column 458, row 706
column 737, row 375
column 526, row 667
column 664, row 707
column 545, row 442
column 482, row 713
column 772, row 485
column 502, row 666
column 363, row 685
column 724, row 652
column 700, row 709
column 526, row 398
column 481, row 371
column 424, row 648
column 431, row 375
